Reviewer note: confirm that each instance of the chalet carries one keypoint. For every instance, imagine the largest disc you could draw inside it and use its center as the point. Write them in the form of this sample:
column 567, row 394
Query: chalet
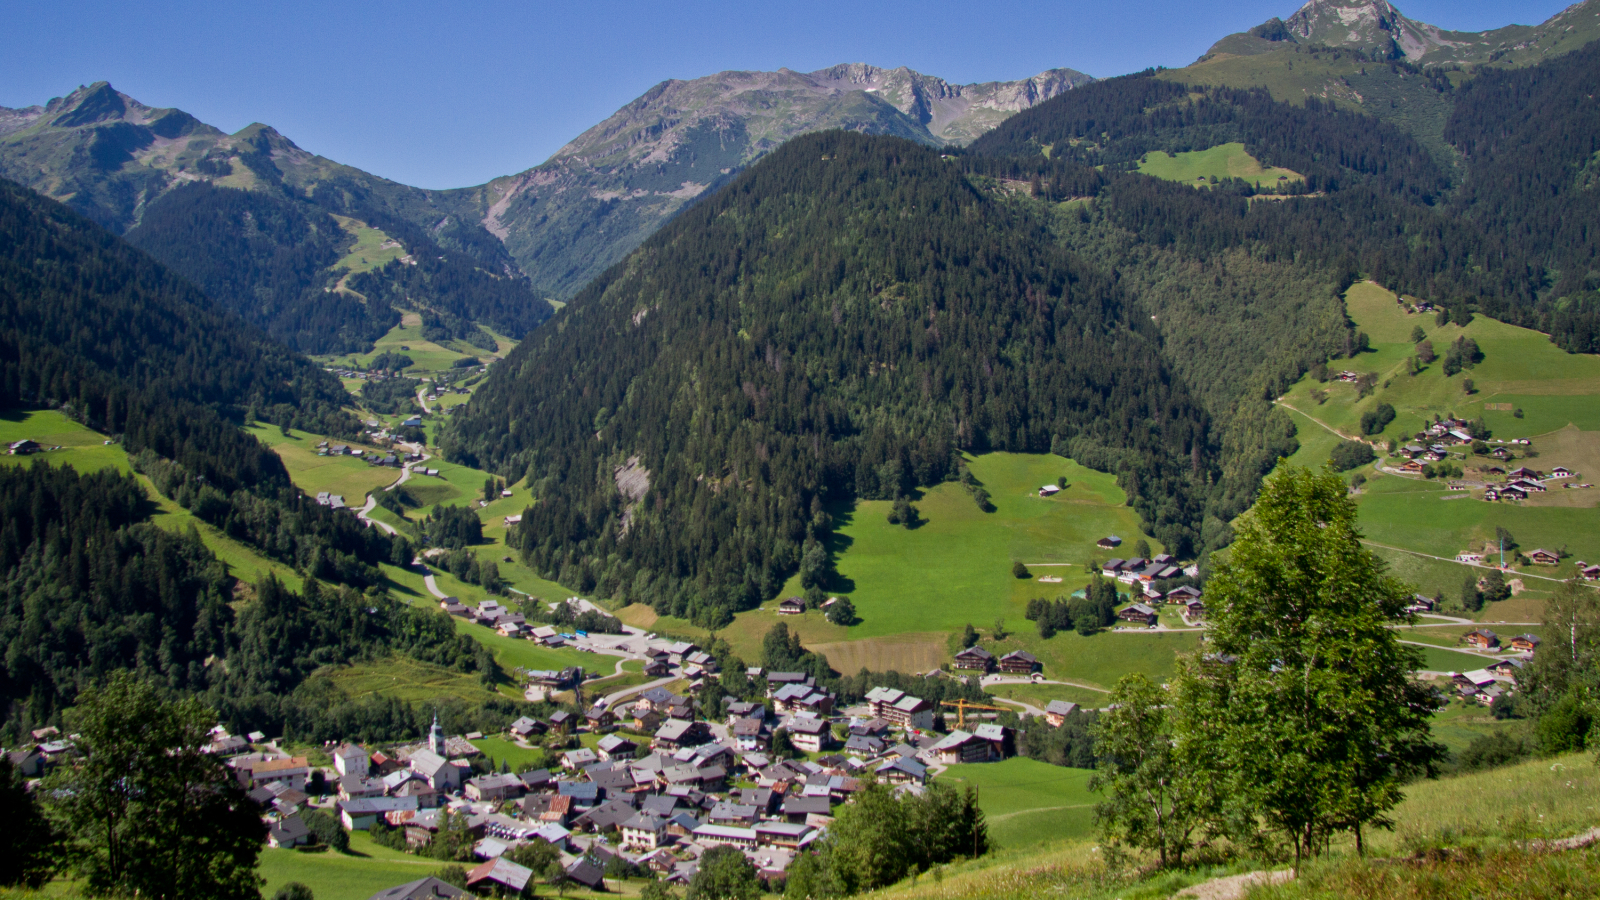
column 1182, row 594
column 961, row 747
column 1590, row 573
column 614, row 746
column 1139, row 614
column 579, row 758
column 1019, row 662
column 526, row 728
column 598, row 717
column 1420, row 603
column 782, row 834
column 1112, row 568
column 357, row 787
column 1109, row 542
column 865, row 745
column 810, row 734
column 1525, row 643
column 1057, row 712
column 1468, row 684
column 1544, row 557
column 1482, row 639
column 902, row 770
column 800, row 808
column 643, row 831
column 1411, row 467
column 1513, row 493
column 1510, row 667
column 1049, row 490
column 359, row 815
column 494, row 788
column 1560, row 472
column 23, row 447
column 1002, row 741
column 584, row 871
column 429, row 888
column 1194, row 609
column 679, row 733
column 499, row 874
column 563, row 722
column 975, row 659
column 288, row 832
column 677, row 651
column 799, row 698
column 455, row 607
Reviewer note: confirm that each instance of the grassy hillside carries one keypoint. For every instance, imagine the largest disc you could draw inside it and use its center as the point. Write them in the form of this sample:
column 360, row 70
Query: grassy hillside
column 1220, row 162
column 1413, row 518
column 1028, row 802
column 1487, row 810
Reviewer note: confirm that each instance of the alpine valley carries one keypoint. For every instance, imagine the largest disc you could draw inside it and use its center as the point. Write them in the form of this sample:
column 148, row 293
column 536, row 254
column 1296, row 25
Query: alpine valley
column 781, row 421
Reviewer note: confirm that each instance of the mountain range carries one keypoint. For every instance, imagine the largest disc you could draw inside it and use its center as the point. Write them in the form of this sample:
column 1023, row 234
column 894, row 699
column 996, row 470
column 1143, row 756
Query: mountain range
column 547, row 231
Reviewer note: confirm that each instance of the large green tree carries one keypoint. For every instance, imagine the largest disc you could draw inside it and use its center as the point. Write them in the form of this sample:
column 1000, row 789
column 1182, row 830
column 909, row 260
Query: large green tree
column 1153, row 799
column 1313, row 719
column 724, row 874
column 28, row 855
column 145, row 810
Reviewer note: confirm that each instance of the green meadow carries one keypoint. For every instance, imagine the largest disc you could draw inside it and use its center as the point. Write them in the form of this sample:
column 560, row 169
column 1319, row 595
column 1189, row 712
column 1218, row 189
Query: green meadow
column 372, row 250
column 1028, row 802
column 81, row 447
column 1220, row 162
column 366, row 870
column 348, row 476
column 956, row 567
column 404, row 678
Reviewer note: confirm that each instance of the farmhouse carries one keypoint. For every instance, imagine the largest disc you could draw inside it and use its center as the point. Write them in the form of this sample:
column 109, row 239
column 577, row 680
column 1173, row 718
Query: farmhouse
column 901, row 770
column 1109, row 542
column 1049, row 490
column 975, row 659
column 791, row 606
column 1139, row 614
column 1510, row 668
column 23, row 447
column 1544, row 557
column 1482, row 639
column 1019, row 662
column 1112, row 568
column 1057, row 712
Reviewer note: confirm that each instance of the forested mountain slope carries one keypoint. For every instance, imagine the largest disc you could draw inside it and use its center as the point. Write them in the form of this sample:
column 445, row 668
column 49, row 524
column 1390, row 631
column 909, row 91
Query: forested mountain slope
column 837, row 322
column 247, row 218
column 96, row 328
column 567, row 220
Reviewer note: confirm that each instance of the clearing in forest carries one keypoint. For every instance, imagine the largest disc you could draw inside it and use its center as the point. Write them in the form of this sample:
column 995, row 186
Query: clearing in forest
column 1221, row 162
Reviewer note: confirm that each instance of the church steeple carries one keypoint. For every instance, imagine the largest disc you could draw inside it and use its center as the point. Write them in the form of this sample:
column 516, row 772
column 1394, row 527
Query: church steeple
column 436, row 737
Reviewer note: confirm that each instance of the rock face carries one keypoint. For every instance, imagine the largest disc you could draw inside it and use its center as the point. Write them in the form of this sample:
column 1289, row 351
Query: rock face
column 1379, row 26
column 602, row 194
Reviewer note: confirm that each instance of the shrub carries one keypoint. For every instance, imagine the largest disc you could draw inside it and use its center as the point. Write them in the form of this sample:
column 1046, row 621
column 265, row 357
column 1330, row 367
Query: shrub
column 1490, row 751
column 1375, row 420
column 1018, row 570
column 1349, row 454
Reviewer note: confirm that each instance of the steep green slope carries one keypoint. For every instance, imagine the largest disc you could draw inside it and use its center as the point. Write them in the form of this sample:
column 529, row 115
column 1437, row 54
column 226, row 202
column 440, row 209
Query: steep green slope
column 836, row 322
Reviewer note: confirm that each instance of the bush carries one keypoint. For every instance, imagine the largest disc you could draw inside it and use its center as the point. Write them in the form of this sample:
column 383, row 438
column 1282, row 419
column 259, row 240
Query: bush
column 391, row 362
column 1565, row 726
column 327, row 830
column 1018, row 570
column 1349, row 454
column 1375, row 420
column 292, row 890
column 1490, row 751
column 842, row 612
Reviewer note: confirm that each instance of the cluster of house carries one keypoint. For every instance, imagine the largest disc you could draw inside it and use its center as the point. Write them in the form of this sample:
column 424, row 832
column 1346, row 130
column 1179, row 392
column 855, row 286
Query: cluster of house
column 48, row 748
column 1521, row 482
column 977, row 659
column 1491, row 682
column 659, row 803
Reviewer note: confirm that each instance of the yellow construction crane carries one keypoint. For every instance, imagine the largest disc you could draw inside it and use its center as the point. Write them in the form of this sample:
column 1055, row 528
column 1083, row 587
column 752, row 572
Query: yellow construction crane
column 963, row 705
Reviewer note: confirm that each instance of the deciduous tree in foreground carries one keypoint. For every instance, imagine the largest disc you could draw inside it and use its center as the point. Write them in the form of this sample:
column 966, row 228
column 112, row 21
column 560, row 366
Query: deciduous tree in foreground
column 147, row 812
column 1302, row 710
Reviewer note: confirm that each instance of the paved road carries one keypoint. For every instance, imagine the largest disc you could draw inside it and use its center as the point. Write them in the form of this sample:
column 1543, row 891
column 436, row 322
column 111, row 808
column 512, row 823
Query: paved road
column 1460, row 563
column 611, row 700
column 1028, row 708
column 1011, row 679
column 365, row 512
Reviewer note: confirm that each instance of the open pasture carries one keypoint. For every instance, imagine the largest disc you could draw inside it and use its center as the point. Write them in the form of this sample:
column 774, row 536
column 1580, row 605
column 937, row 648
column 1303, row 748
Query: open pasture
column 407, row 679
column 1224, row 161
column 1026, row 801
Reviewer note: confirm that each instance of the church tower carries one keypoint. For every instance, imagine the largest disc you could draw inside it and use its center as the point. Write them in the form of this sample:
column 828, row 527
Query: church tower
column 436, row 737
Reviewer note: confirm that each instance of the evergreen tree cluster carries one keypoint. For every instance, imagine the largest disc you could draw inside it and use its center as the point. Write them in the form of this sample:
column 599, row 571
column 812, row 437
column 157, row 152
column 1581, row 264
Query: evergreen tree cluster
column 391, row 396
column 835, row 324
column 1095, row 610
column 267, row 257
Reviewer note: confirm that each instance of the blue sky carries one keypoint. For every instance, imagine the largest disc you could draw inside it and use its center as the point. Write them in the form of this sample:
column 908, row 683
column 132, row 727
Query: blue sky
column 451, row 94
